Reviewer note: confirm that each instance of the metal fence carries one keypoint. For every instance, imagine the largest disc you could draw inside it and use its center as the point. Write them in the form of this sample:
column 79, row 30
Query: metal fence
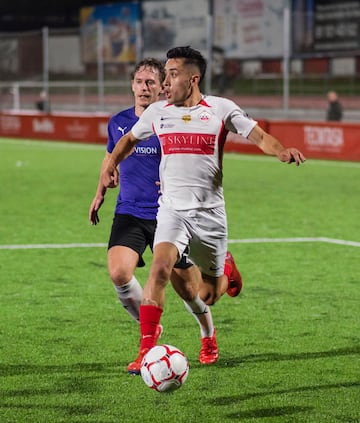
column 66, row 95
column 51, row 62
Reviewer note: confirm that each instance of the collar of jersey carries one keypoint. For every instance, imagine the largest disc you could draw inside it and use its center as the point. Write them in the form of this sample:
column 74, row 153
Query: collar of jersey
column 202, row 102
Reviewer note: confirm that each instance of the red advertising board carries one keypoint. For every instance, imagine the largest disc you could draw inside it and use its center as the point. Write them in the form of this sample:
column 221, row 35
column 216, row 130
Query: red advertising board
column 57, row 126
column 319, row 140
column 330, row 140
column 322, row 140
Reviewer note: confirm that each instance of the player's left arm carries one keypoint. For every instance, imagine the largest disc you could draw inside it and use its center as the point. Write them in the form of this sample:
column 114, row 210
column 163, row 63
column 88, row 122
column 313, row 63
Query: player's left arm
column 270, row 145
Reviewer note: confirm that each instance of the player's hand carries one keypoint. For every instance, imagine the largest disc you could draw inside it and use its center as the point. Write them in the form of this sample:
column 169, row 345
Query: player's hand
column 110, row 177
column 291, row 155
column 94, row 208
column 158, row 184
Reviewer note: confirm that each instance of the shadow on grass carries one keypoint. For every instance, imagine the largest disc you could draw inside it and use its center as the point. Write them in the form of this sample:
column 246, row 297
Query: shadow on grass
column 71, row 410
column 230, row 400
column 34, row 369
column 276, row 357
column 275, row 411
column 226, row 362
column 269, row 412
column 63, row 382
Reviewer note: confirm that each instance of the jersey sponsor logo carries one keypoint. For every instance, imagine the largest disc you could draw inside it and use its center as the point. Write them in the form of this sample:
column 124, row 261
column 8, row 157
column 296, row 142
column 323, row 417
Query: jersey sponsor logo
column 146, row 150
column 122, row 130
column 184, row 143
column 166, row 125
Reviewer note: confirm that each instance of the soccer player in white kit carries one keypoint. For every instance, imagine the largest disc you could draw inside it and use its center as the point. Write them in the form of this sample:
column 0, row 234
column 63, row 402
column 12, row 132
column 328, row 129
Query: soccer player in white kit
column 192, row 129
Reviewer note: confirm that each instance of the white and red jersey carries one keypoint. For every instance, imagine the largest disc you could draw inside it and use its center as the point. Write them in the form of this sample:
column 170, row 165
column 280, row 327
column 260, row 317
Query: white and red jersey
column 192, row 142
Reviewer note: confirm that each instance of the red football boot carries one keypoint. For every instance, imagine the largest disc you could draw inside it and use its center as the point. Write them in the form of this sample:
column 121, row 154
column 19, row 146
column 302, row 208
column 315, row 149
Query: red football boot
column 235, row 280
column 135, row 366
column 209, row 352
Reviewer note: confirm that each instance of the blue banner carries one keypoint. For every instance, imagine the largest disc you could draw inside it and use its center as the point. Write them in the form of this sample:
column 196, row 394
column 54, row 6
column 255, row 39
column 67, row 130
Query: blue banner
column 118, row 22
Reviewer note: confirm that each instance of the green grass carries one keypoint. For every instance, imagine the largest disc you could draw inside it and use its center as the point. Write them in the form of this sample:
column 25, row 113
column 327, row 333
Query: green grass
column 289, row 344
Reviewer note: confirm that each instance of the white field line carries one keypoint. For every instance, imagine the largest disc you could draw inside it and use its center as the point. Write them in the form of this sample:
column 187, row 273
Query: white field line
column 48, row 246
column 285, row 240
column 230, row 241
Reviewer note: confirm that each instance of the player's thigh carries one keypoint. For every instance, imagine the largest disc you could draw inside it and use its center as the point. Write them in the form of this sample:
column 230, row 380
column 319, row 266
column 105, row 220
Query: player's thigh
column 122, row 262
column 208, row 247
column 132, row 232
column 171, row 228
column 165, row 256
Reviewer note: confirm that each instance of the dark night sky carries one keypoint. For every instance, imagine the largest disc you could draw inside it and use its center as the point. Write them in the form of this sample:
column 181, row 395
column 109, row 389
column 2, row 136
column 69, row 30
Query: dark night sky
column 22, row 15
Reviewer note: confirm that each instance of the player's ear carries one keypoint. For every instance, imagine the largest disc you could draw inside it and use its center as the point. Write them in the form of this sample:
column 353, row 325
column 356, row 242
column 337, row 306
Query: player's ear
column 195, row 79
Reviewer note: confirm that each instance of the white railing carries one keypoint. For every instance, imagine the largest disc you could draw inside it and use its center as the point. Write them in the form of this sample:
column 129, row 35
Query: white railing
column 66, row 95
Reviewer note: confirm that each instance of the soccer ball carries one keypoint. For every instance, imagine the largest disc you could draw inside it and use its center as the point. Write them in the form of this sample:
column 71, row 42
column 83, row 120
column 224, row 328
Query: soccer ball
column 164, row 368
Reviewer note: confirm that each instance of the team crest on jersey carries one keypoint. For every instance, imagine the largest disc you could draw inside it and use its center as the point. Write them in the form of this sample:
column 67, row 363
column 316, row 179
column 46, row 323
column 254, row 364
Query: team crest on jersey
column 186, row 118
column 204, row 116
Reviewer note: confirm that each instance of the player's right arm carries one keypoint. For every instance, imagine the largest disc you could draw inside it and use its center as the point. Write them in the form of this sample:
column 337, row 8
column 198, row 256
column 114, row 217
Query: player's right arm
column 99, row 195
column 110, row 174
column 270, row 145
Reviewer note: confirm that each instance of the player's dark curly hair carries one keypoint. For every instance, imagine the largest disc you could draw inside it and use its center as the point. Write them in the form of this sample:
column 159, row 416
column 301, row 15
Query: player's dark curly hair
column 150, row 62
column 191, row 56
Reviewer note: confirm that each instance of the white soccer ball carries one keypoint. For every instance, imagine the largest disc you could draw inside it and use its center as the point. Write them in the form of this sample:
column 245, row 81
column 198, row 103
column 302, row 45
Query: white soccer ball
column 164, row 368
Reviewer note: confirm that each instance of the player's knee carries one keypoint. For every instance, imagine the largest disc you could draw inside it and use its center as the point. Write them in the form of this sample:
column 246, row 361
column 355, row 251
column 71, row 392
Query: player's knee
column 186, row 295
column 148, row 301
column 210, row 290
column 120, row 276
column 207, row 297
column 210, row 301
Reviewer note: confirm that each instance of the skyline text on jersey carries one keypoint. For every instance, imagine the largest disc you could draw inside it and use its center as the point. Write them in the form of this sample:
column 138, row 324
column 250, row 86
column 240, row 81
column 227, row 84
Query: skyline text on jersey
column 188, row 143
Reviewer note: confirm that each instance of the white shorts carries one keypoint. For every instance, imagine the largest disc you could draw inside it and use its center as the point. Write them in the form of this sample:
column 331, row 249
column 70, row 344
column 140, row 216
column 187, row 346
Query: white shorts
column 203, row 230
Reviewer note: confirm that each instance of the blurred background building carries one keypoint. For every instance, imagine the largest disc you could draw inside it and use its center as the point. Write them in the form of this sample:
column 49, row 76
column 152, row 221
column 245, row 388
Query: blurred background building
column 279, row 57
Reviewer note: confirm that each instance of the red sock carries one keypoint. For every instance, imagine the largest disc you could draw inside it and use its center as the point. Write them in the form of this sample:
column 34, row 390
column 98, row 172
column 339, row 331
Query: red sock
column 149, row 319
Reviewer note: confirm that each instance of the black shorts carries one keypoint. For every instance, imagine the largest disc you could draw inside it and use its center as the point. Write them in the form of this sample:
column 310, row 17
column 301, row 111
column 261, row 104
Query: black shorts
column 137, row 234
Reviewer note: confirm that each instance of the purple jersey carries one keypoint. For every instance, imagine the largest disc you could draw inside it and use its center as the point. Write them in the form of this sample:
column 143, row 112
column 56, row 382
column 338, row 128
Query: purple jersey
column 138, row 194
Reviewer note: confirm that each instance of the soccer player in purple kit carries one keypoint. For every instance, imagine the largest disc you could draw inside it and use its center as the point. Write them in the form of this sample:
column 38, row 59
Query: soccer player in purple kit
column 192, row 129
column 134, row 221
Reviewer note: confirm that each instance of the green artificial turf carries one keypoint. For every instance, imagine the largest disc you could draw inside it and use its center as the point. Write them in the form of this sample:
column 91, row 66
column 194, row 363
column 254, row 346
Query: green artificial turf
column 289, row 344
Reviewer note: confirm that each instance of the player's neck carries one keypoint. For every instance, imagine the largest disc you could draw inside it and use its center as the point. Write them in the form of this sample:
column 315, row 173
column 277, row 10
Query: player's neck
column 139, row 110
column 193, row 100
